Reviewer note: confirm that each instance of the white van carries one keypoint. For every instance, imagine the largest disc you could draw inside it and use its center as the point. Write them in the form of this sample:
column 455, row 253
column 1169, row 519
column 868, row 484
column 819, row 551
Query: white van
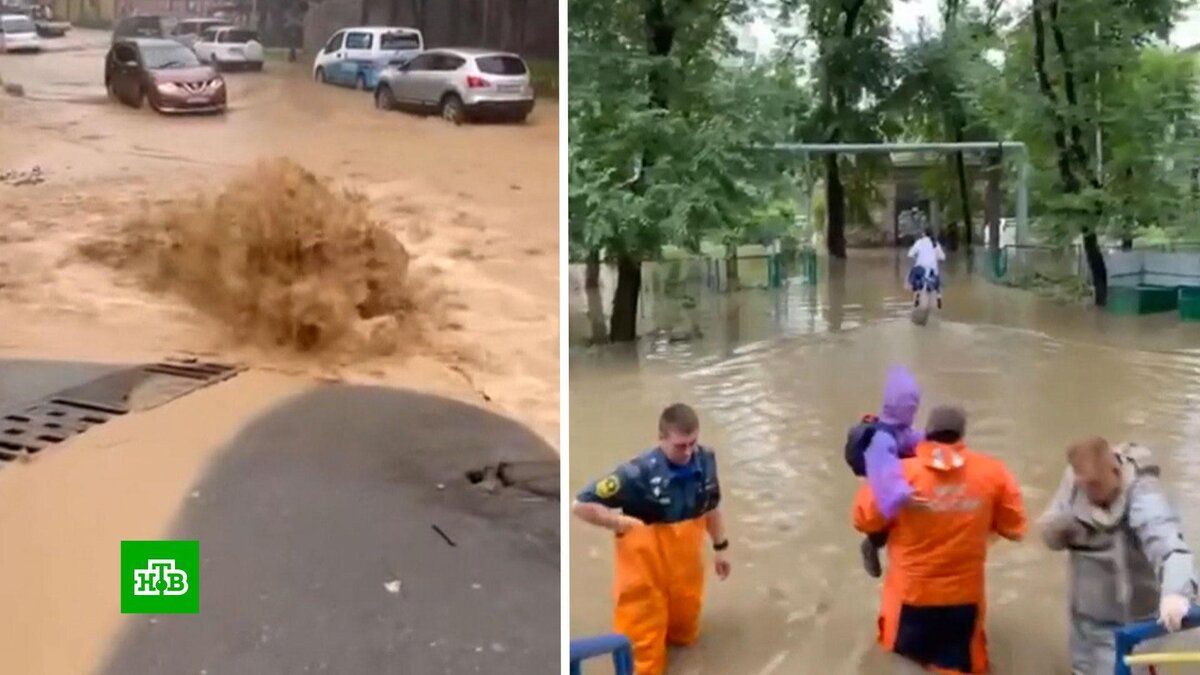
column 18, row 33
column 353, row 56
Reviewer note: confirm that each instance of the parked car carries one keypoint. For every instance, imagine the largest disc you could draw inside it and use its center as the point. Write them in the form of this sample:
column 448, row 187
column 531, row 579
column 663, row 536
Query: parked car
column 18, row 33
column 139, row 27
column 461, row 84
column 230, row 47
column 352, row 57
column 188, row 31
column 164, row 73
column 52, row 29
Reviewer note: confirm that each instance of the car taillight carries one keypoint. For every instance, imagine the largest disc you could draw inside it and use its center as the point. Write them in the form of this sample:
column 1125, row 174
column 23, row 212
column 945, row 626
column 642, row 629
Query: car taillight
column 477, row 82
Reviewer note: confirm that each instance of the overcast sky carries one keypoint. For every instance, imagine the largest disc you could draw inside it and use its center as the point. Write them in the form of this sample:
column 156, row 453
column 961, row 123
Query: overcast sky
column 906, row 16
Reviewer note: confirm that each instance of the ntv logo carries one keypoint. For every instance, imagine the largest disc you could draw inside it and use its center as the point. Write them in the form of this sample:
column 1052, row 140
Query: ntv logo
column 160, row 577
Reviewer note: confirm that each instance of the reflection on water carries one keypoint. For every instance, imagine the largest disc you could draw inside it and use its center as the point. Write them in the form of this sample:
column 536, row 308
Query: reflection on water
column 779, row 375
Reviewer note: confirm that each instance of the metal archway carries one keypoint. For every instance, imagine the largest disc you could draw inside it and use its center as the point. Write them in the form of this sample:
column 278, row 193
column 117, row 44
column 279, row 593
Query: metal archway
column 806, row 149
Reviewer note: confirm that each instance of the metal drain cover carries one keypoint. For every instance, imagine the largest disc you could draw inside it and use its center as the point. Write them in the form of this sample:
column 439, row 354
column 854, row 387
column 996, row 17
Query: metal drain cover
column 29, row 430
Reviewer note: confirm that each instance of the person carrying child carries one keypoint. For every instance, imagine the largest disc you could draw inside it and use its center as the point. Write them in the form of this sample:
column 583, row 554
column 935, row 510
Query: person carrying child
column 874, row 448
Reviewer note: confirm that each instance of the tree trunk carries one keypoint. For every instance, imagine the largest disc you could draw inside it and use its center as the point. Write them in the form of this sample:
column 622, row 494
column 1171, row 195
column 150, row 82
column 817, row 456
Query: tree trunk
column 1095, row 261
column 835, row 208
column 660, row 36
column 625, row 300
column 1072, row 150
column 731, row 267
column 1126, row 244
column 591, row 277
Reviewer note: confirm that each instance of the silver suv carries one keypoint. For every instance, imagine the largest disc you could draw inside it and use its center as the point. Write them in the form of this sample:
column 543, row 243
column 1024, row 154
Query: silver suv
column 460, row 84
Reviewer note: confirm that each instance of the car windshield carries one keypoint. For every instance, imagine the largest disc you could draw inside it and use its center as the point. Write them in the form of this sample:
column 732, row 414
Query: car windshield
column 199, row 27
column 398, row 41
column 501, row 65
column 240, row 36
column 19, row 25
column 168, row 57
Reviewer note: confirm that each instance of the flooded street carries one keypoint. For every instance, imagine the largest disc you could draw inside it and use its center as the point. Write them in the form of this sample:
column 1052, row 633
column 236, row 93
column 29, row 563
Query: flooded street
column 779, row 376
column 476, row 205
column 453, row 245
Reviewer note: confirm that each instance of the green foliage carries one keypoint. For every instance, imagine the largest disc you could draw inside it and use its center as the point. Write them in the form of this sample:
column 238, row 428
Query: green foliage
column 662, row 147
column 1141, row 97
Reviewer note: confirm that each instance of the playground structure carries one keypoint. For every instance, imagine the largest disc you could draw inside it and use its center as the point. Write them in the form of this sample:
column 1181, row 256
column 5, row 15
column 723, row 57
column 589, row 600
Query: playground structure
column 806, row 149
column 1131, row 635
column 1128, row 638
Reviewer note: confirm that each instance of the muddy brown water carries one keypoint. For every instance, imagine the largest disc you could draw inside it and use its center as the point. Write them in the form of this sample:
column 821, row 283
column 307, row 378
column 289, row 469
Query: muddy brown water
column 476, row 206
column 777, row 377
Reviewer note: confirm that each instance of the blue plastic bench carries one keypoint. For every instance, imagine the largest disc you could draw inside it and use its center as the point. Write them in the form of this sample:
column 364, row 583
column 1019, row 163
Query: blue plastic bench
column 616, row 645
column 1128, row 637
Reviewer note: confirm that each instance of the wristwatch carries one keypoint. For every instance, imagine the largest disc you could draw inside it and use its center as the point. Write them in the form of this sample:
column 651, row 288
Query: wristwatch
column 721, row 545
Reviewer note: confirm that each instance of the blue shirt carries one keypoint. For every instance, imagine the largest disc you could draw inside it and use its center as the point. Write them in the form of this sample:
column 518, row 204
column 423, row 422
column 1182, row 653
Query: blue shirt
column 653, row 490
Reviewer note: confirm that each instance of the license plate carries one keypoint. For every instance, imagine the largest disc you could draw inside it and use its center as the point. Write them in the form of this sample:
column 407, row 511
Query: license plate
column 236, row 50
column 510, row 88
column 197, row 100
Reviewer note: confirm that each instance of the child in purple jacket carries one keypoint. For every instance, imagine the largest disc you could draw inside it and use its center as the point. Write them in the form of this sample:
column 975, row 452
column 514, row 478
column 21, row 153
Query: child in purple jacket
column 875, row 447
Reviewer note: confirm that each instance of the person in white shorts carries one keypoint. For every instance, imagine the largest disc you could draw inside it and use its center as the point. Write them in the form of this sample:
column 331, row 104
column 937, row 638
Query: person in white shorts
column 927, row 254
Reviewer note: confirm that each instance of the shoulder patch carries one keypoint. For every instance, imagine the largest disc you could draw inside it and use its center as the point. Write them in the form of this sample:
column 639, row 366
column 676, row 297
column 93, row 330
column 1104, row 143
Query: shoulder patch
column 608, row 486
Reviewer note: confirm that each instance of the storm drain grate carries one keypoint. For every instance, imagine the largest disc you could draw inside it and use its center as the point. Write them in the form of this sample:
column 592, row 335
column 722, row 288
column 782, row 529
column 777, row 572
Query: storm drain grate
column 54, row 419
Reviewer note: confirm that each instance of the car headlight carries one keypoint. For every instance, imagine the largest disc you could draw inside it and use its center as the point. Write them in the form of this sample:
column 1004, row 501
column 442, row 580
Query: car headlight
column 217, row 83
column 168, row 88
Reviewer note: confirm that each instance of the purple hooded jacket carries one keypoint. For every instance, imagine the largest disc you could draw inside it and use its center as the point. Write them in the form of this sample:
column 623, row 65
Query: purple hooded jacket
column 901, row 398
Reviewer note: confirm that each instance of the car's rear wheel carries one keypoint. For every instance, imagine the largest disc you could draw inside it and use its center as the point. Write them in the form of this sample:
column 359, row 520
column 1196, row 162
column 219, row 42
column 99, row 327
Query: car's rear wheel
column 384, row 98
column 320, row 75
column 452, row 109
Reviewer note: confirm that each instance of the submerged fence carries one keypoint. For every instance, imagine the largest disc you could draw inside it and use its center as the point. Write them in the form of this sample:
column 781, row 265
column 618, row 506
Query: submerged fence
column 1169, row 265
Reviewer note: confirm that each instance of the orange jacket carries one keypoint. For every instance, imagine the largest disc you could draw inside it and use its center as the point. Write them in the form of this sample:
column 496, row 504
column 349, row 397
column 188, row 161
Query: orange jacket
column 936, row 553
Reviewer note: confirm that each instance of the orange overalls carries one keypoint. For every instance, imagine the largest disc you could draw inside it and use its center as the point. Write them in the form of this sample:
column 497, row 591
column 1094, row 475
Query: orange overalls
column 933, row 605
column 659, row 588
column 659, row 581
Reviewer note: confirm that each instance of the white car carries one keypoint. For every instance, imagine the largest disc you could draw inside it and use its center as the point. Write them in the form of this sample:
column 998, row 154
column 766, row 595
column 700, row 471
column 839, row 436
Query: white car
column 18, row 33
column 460, row 85
column 188, row 31
column 228, row 47
column 353, row 57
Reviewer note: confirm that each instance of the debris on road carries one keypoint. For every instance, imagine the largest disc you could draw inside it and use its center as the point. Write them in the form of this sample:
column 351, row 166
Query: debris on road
column 19, row 178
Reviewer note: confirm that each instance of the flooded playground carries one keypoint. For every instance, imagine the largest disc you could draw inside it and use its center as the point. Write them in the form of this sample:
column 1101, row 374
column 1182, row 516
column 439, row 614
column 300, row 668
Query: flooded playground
column 779, row 375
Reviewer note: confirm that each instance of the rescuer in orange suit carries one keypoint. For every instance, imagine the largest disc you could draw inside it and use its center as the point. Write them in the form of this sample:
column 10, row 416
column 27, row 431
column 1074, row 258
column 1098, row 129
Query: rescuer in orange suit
column 932, row 610
column 660, row 504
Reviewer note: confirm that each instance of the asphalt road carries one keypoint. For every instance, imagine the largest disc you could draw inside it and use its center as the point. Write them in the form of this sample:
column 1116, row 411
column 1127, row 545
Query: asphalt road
column 307, row 514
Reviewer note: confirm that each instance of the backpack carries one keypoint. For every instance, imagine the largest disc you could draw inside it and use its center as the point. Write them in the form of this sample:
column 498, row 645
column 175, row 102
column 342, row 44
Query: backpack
column 858, row 439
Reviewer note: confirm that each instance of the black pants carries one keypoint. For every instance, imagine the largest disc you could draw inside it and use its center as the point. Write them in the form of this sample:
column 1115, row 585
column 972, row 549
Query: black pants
column 937, row 636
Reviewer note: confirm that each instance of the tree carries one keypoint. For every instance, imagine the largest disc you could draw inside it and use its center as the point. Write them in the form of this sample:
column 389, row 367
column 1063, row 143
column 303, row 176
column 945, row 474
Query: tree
column 932, row 94
column 1083, row 81
column 662, row 135
column 853, row 77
